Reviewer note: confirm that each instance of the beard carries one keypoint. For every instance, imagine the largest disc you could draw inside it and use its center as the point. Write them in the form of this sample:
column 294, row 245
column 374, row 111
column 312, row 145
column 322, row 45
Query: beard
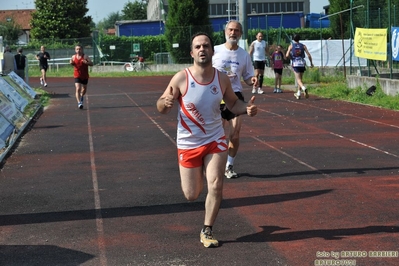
column 204, row 63
column 232, row 41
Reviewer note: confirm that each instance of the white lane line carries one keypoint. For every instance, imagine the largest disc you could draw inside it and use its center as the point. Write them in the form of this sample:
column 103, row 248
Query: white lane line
column 358, row 117
column 338, row 112
column 364, row 144
column 343, row 137
column 97, row 203
column 292, row 157
column 152, row 120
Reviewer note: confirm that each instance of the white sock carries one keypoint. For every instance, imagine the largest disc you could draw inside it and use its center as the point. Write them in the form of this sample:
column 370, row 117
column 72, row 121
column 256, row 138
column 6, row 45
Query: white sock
column 303, row 88
column 230, row 161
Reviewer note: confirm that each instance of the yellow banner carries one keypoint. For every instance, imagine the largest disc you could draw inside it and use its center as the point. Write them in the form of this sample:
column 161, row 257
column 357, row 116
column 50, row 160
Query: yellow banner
column 371, row 43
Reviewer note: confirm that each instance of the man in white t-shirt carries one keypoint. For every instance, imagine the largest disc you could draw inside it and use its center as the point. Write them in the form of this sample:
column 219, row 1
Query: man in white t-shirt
column 258, row 51
column 236, row 63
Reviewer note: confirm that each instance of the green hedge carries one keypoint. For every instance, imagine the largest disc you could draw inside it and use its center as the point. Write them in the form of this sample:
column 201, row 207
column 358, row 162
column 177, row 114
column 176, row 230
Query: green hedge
column 151, row 45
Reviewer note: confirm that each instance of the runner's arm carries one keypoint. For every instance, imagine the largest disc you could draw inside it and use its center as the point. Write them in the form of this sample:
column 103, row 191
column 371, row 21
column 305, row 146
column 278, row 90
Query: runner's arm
column 234, row 104
column 171, row 93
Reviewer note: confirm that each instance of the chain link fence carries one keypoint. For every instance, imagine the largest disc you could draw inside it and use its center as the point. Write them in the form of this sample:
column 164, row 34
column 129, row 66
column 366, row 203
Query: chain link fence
column 112, row 49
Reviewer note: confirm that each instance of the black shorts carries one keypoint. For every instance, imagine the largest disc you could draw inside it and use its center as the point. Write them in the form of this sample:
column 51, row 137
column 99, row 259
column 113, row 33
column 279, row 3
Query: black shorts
column 226, row 113
column 299, row 69
column 45, row 67
column 259, row 65
column 81, row 81
column 278, row 71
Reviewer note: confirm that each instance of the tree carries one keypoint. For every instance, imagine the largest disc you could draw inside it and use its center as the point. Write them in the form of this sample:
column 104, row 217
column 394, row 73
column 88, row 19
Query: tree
column 10, row 31
column 135, row 11
column 335, row 21
column 59, row 19
column 185, row 17
column 366, row 14
column 109, row 22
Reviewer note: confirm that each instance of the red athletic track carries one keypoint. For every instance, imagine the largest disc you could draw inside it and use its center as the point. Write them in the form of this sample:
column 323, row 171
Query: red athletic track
column 100, row 186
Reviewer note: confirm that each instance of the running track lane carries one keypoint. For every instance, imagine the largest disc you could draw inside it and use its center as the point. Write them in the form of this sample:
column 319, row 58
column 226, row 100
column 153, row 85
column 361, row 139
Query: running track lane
column 100, row 186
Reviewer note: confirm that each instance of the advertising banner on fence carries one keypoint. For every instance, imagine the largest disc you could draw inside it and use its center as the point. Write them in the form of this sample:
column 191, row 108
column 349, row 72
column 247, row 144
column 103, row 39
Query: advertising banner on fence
column 395, row 43
column 9, row 91
column 5, row 131
column 10, row 112
column 22, row 84
column 371, row 43
column 332, row 53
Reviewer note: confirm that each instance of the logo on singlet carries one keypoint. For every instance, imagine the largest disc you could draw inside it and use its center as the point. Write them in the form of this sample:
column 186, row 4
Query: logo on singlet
column 214, row 90
column 298, row 52
column 195, row 113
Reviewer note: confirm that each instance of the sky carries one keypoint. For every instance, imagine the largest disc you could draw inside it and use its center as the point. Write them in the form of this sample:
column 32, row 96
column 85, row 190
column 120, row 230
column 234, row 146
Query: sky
column 100, row 9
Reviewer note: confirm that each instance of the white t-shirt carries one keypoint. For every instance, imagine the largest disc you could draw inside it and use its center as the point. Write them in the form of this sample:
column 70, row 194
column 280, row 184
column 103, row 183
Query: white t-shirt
column 259, row 50
column 235, row 63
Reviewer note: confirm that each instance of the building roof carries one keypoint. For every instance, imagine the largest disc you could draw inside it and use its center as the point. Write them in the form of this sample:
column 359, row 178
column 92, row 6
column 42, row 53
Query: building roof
column 21, row 17
column 111, row 31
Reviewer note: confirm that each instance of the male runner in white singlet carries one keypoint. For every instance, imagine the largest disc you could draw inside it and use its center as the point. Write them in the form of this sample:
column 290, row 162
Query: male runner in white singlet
column 201, row 142
column 259, row 51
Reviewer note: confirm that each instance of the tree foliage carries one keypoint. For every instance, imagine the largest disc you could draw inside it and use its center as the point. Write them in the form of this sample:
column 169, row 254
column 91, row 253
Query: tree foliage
column 135, row 11
column 365, row 14
column 185, row 17
column 59, row 19
column 109, row 22
column 10, row 31
column 335, row 20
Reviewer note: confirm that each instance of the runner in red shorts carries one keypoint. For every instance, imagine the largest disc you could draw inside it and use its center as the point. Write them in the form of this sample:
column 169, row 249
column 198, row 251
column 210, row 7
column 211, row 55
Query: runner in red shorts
column 202, row 148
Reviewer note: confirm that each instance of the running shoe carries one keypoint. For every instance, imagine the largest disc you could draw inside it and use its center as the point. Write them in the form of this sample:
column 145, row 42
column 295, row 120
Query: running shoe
column 275, row 90
column 41, row 81
column 297, row 96
column 260, row 91
column 253, row 90
column 206, row 238
column 279, row 91
column 80, row 105
column 230, row 172
column 45, row 84
column 306, row 92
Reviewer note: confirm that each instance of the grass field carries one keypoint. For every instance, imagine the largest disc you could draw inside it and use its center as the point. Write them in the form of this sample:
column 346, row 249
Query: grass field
column 335, row 87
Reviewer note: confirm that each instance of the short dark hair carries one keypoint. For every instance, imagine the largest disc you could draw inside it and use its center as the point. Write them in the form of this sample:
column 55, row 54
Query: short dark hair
column 200, row 34
column 297, row 37
column 19, row 50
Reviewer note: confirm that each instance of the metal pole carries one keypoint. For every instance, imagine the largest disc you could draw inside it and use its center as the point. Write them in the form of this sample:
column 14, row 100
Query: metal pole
column 228, row 10
column 342, row 37
column 242, row 14
column 349, row 9
column 390, row 38
column 1, row 51
column 26, row 71
column 321, row 44
column 351, row 25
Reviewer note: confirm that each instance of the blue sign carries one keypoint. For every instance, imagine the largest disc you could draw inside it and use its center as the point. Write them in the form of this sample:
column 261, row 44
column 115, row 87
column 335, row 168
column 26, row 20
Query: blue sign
column 395, row 43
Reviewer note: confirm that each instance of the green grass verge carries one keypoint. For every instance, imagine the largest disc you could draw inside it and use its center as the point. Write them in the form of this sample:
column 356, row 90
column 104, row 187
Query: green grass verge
column 334, row 87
